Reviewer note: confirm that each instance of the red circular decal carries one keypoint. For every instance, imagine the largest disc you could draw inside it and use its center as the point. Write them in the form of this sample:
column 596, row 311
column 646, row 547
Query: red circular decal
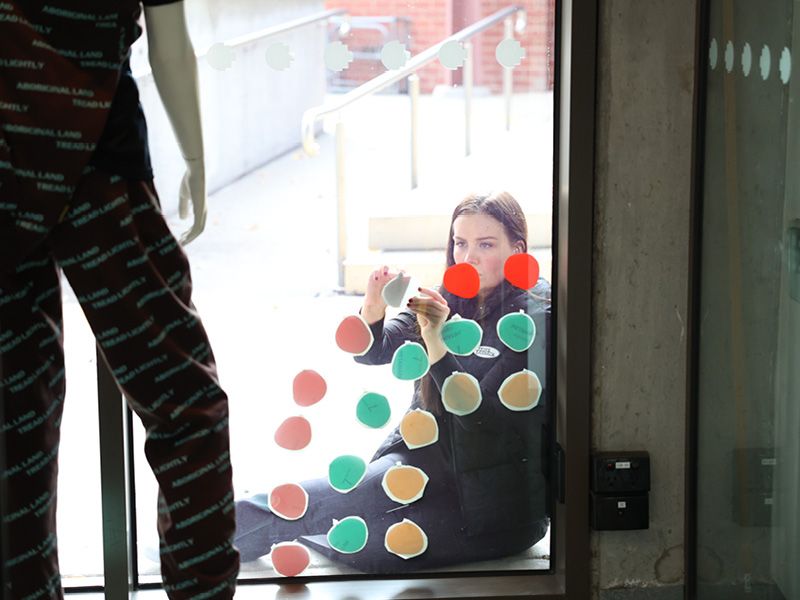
column 289, row 501
column 289, row 558
column 308, row 387
column 293, row 434
column 353, row 335
column 462, row 280
column 522, row 270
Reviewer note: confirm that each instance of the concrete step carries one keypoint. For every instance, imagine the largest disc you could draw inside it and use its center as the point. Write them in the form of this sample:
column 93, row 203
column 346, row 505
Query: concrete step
column 419, row 219
column 426, row 231
column 427, row 266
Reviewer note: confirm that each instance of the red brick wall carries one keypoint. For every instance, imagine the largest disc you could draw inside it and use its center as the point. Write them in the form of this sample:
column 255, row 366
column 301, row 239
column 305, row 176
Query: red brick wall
column 433, row 20
column 537, row 39
column 430, row 22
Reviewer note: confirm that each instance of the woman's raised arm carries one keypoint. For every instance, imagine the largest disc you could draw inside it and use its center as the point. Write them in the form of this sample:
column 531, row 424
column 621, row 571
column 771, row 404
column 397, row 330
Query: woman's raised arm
column 389, row 336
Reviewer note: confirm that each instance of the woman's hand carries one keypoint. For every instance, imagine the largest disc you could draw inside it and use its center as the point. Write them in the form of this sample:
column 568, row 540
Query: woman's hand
column 374, row 307
column 432, row 312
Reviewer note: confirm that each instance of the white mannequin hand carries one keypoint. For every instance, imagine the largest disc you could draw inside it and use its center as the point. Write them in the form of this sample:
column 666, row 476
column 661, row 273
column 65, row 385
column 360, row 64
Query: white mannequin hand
column 193, row 187
column 174, row 66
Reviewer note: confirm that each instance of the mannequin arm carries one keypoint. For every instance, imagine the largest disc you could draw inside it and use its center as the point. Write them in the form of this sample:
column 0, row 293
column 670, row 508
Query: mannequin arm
column 174, row 67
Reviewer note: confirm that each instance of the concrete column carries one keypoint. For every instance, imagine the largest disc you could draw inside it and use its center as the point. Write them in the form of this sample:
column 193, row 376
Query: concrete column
column 641, row 238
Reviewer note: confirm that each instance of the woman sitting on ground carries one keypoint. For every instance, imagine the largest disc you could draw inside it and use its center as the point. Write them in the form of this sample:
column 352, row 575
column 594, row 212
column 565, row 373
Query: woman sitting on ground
column 486, row 496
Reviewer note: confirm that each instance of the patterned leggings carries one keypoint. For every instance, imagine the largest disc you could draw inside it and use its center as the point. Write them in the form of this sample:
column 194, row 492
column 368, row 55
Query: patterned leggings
column 132, row 280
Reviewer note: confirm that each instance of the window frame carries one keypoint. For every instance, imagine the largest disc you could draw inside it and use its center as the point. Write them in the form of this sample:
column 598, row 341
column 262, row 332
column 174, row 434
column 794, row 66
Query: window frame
column 702, row 20
column 573, row 190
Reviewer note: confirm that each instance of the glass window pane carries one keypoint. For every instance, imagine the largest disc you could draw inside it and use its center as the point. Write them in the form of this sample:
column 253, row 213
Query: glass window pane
column 79, row 514
column 272, row 294
column 748, row 483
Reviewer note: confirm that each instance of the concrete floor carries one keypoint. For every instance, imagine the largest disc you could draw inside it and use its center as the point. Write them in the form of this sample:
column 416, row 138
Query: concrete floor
column 264, row 272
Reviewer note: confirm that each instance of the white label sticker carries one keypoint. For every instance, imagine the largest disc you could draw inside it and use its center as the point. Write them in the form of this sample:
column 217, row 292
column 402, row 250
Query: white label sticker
column 622, row 504
column 623, row 465
column 768, row 501
column 487, row 352
column 769, row 462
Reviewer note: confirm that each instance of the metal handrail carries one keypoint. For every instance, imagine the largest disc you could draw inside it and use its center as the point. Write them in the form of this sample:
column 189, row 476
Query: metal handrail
column 262, row 34
column 388, row 27
column 376, row 23
column 283, row 28
column 312, row 115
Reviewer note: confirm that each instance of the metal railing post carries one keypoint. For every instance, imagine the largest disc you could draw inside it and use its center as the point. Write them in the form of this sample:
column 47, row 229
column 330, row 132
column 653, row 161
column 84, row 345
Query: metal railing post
column 341, row 210
column 413, row 94
column 508, row 77
column 117, row 551
column 468, row 68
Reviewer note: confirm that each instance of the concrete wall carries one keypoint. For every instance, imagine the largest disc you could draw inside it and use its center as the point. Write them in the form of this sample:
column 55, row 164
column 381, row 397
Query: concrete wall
column 641, row 237
column 251, row 113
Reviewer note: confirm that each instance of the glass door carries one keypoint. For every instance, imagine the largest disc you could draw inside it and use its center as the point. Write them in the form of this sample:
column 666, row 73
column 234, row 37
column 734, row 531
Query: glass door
column 748, row 453
column 296, row 254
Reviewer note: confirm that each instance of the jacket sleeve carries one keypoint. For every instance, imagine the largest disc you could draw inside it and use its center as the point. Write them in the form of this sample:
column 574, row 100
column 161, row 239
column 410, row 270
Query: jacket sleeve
column 509, row 362
column 388, row 337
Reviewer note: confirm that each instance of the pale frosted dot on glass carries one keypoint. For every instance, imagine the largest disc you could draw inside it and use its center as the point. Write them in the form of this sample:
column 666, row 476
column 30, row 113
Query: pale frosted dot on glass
column 394, row 55
column 509, row 53
column 337, row 56
column 220, row 57
column 452, row 55
column 765, row 62
column 785, row 65
column 747, row 60
column 729, row 56
column 279, row 56
column 712, row 54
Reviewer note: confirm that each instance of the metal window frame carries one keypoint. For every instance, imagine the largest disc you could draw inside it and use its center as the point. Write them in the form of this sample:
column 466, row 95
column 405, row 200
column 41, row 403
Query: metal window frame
column 573, row 175
column 692, row 320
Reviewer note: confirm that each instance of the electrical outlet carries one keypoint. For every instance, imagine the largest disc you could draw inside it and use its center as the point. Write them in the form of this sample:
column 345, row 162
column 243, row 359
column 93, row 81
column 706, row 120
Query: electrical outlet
column 620, row 488
column 620, row 472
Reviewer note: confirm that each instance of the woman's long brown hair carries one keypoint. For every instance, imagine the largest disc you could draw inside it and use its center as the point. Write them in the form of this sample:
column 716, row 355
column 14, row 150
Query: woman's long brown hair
column 505, row 209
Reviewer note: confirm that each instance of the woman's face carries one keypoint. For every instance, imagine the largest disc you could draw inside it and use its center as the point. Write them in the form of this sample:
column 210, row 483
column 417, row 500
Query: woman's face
column 481, row 241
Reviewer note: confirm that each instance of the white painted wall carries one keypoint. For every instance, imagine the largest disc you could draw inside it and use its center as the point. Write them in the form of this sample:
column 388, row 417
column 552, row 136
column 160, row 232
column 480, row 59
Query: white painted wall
column 251, row 113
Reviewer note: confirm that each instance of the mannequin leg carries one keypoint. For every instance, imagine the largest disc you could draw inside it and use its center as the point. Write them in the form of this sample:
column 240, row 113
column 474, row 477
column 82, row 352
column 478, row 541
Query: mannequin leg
column 133, row 282
column 32, row 389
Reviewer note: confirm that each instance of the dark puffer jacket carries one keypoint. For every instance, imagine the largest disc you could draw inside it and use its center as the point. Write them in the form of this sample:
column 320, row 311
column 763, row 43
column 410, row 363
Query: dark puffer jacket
column 498, row 455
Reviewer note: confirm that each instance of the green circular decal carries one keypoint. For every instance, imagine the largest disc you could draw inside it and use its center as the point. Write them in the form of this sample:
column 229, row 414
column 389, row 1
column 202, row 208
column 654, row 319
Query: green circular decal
column 373, row 410
column 348, row 535
column 410, row 362
column 517, row 331
column 346, row 472
column 461, row 336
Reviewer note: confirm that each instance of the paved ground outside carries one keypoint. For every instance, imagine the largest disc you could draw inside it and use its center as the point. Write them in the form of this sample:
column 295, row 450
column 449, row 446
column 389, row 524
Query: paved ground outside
column 264, row 277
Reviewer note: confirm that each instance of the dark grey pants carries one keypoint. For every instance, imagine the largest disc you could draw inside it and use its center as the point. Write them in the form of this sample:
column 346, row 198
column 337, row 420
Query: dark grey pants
column 437, row 513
